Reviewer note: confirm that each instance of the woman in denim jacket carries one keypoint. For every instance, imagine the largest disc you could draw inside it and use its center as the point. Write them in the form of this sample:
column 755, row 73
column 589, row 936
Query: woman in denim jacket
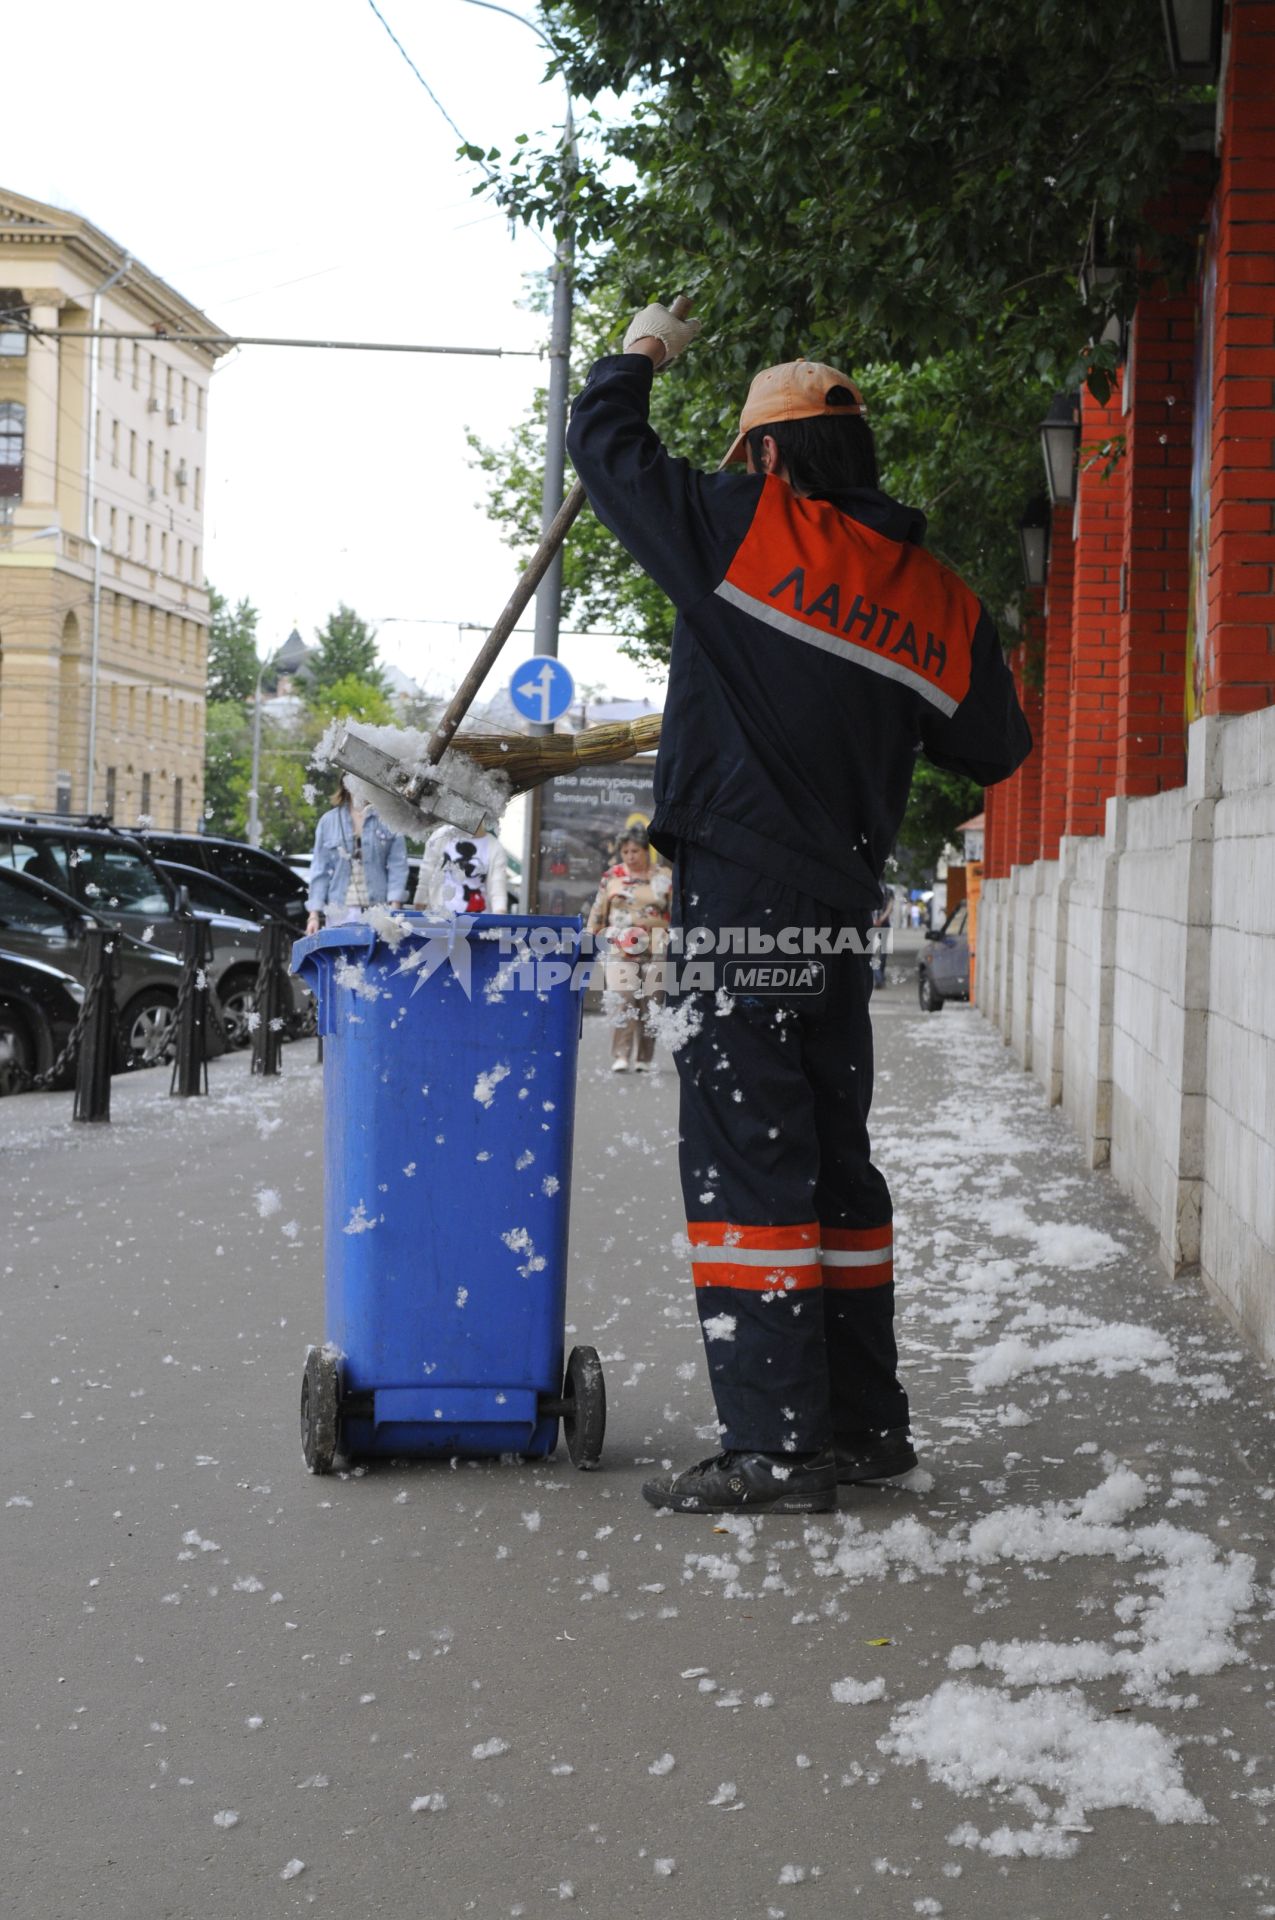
column 357, row 863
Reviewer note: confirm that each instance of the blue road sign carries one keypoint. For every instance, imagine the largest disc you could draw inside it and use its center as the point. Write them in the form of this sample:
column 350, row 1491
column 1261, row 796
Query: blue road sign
column 542, row 689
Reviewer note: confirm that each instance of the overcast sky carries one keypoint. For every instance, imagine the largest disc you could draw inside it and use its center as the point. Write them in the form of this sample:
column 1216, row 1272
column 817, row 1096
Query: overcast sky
column 279, row 164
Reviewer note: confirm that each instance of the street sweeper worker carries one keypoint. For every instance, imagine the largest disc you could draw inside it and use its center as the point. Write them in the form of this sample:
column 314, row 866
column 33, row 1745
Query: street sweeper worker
column 818, row 649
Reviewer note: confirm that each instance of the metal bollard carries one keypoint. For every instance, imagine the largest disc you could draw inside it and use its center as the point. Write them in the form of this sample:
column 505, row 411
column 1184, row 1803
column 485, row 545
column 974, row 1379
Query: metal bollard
column 99, row 1041
column 273, row 949
column 190, row 1057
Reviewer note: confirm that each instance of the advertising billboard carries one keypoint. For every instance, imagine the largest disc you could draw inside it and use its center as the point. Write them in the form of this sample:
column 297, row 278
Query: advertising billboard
column 582, row 817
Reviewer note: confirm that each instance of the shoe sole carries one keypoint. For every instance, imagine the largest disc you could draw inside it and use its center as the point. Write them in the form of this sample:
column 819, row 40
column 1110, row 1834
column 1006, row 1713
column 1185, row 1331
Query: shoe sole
column 870, row 1479
column 790, row 1503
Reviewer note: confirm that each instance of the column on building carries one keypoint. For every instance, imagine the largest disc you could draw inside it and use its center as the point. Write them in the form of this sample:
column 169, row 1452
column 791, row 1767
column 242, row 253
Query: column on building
column 40, row 450
column 1027, row 847
column 1093, row 732
column 1055, row 721
column 1238, row 671
column 1012, row 789
column 993, row 801
column 1159, row 381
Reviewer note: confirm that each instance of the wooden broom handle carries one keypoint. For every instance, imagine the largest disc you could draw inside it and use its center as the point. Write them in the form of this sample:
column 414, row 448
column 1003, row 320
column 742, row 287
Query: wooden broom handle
column 463, row 698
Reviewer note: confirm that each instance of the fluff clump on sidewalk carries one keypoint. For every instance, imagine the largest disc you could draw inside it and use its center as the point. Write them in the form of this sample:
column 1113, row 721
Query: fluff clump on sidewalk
column 1044, row 1743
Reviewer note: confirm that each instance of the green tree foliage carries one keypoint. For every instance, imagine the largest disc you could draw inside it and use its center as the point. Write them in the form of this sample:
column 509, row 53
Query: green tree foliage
column 350, row 698
column 227, row 761
column 232, row 649
column 863, row 180
column 346, row 650
column 904, row 188
column 937, row 804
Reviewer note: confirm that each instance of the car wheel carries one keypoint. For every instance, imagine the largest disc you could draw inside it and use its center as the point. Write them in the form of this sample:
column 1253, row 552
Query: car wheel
column 237, row 995
column 928, row 994
column 17, row 1052
column 148, row 1028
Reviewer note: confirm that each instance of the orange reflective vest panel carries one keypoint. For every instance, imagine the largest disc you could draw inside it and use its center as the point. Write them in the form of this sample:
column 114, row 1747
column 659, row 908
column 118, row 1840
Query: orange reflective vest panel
column 884, row 605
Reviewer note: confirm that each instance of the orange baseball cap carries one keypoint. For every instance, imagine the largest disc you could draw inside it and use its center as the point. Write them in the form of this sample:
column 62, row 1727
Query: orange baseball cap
column 796, row 391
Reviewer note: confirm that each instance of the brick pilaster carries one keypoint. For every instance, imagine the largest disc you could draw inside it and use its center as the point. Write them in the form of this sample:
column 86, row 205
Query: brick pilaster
column 1093, row 735
column 1013, row 787
column 1151, row 746
column 994, row 867
column 1056, row 700
column 1239, row 663
column 1029, row 774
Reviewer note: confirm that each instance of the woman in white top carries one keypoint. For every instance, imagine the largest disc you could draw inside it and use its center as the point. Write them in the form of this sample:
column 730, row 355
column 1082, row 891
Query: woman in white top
column 463, row 873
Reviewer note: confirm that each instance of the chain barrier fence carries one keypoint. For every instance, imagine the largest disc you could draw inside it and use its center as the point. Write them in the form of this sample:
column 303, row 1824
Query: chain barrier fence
column 95, row 1046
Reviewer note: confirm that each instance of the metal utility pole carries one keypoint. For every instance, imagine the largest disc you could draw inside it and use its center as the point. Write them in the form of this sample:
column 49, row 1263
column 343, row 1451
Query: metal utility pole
column 549, row 592
column 90, row 531
column 254, row 816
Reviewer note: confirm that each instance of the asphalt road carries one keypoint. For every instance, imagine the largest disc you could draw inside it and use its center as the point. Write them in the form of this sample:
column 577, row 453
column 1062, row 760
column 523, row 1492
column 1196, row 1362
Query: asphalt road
column 228, row 1689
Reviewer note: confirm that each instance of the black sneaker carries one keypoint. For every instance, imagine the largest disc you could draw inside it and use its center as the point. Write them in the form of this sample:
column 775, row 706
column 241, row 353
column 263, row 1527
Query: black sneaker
column 874, row 1456
column 749, row 1483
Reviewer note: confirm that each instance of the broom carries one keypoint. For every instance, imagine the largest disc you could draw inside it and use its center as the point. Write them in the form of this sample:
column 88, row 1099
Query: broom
column 527, row 761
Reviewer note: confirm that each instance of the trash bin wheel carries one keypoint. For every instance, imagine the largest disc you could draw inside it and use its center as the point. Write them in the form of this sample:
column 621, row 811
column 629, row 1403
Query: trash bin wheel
column 584, row 1400
column 320, row 1393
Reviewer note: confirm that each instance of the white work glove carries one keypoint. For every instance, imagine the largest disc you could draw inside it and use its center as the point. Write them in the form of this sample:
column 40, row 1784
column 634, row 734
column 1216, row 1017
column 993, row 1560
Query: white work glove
column 657, row 323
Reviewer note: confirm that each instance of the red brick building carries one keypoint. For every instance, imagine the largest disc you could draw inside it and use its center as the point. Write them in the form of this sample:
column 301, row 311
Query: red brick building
column 1160, row 601
column 1126, row 935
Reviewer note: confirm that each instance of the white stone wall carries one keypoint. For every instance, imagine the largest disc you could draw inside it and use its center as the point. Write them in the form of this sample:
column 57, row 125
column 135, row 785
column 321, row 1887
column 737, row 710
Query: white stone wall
column 1135, row 977
column 1237, row 1211
column 1046, row 982
column 1080, row 934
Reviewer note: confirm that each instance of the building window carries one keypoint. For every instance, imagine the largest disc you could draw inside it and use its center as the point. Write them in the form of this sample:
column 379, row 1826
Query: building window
column 115, row 443
column 177, row 803
column 14, row 314
column 199, row 409
column 167, row 471
column 163, row 553
column 119, row 348
column 199, row 489
column 110, row 793
column 13, row 427
column 129, row 548
column 137, row 366
column 181, row 559
column 114, row 533
column 194, row 566
column 168, row 389
column 185, row 396
column 146, row 793
column 132, row 452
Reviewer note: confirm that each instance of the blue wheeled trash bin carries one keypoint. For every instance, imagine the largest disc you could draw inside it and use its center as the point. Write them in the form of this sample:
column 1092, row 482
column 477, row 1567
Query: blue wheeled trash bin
column 449, row 1075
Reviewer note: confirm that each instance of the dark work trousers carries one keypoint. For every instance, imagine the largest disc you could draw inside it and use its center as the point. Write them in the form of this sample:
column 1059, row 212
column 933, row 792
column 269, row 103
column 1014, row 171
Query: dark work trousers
column 789, row 1221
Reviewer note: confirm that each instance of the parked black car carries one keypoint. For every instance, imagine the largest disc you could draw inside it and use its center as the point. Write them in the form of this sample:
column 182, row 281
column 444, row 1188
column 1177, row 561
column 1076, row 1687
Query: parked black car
column 209, row 895
column 110, row 874
column 39, row 922
column 263, row 876
column 943, row 964
column 38, row 1008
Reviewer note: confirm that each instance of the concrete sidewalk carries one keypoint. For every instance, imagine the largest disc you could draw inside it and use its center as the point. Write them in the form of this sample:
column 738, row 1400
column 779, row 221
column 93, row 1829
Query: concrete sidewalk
column 1034, row 1682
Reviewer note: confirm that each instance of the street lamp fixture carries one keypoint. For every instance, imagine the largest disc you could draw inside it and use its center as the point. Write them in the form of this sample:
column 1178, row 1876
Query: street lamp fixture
column 1033, row 540
column 1194, row 32
column 1060, row 443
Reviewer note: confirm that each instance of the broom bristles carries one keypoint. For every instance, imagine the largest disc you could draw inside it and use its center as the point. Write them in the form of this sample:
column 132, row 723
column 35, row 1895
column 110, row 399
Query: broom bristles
column 526, row 760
